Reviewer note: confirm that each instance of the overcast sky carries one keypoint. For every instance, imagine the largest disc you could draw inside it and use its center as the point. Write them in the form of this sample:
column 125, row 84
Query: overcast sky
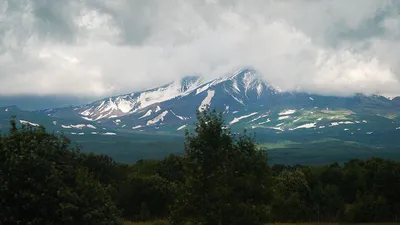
column 105, row 47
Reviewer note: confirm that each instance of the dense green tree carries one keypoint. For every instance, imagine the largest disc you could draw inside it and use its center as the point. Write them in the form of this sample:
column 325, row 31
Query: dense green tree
column 331, row 174
column 279, row 168
column 145, row 167
column 146, row 197
column 227, row 179
column 370, row 208
column 103, row 168
column 291, row 197
column 353, row 181
column 171, row 168
column 327, row 203
column 42, row 181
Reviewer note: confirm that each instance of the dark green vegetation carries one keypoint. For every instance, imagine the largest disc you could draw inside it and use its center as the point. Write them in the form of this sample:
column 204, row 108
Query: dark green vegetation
column 44, row 181
column 220, row 179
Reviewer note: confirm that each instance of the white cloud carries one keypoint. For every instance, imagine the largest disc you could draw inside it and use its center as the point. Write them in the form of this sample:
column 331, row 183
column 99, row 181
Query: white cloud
column 99, row 48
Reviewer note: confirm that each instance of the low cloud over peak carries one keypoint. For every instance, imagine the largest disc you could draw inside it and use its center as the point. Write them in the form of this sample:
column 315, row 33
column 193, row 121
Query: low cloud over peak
column 99, row 47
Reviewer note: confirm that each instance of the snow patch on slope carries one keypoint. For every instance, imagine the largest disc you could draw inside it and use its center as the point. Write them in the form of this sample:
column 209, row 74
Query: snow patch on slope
column 181, row 127
column 238, row 100
column 305, row 126
column 180, row 117
column 29, row 123
column 136, row 127
column 87, row 118
column 157, row 119
column 205, row 87
column 78, row 126
column 283, row 117
column 87, row 112
column 296, row 120
column 207, row 100
column 259, row 90
column 235, row 86
column 267, row 121
column 340, row 123
column 259, row 117
column 235, row 120
column 277, row 128
column 124, row 106
column 287, row 112
column 226, row 109
column 90, row 126
column 148, row 113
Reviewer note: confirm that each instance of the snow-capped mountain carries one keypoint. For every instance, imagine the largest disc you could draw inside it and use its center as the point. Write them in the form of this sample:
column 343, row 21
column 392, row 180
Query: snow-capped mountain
column 176, row 103
column 122, row 105
column 245, row 99
column 241, row 87
column 139, row 121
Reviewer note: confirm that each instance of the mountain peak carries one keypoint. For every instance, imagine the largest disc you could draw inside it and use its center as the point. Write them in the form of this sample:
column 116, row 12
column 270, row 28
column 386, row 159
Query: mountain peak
column 249, row 80
column 188, row 82
column 243, row 72
column 243, row 86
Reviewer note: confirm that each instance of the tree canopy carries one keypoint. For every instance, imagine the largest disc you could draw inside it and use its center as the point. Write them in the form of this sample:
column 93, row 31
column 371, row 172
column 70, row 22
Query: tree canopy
column 43, row 181
column 226, row 178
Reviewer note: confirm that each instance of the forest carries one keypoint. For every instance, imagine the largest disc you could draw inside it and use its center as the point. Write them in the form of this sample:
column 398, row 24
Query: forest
column 222, row 178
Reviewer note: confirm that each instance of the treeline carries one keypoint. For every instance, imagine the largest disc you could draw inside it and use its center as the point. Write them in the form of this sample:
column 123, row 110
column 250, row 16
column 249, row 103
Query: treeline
column 220, row 179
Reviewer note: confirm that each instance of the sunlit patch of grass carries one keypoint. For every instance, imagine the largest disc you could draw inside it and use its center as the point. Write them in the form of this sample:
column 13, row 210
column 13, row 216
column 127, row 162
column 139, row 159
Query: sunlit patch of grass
column 277, row 145
column 328, row 114
column 391, row 116
column 325, row 140
column 312, row 116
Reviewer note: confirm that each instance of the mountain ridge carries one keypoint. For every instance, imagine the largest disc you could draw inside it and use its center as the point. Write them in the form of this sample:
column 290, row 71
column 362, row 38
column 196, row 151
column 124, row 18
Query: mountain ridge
column 245, row 99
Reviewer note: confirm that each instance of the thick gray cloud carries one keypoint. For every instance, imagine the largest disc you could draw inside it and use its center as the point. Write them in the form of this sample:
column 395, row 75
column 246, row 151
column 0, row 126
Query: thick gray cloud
column 104, row 47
